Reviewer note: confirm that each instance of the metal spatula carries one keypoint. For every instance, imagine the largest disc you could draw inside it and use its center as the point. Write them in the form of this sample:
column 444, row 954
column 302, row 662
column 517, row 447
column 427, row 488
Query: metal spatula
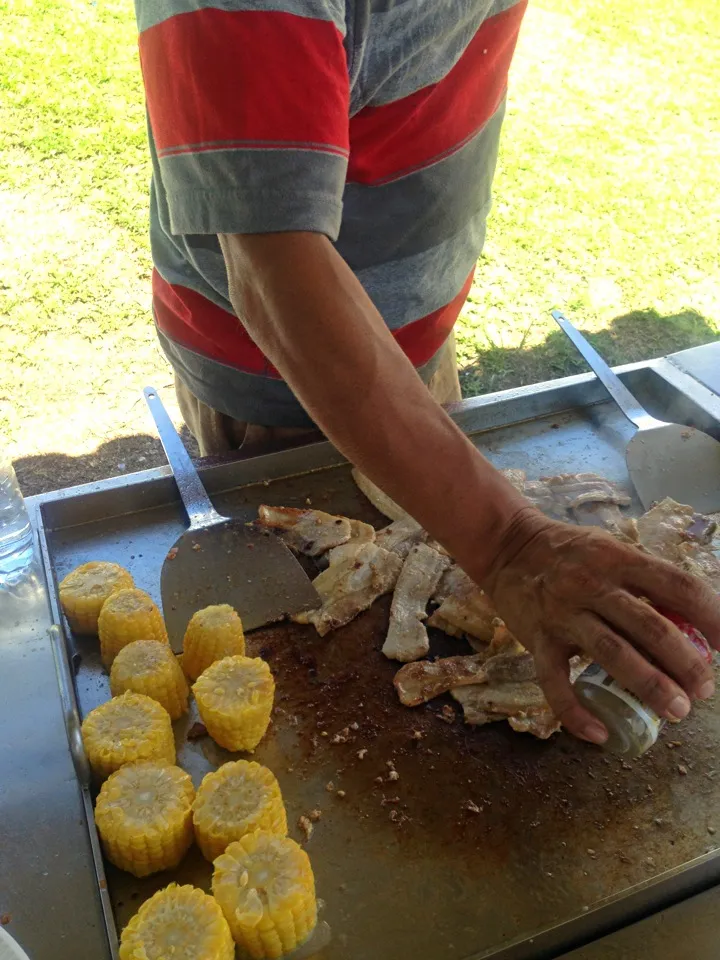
column 221, row 560
column 663, row 459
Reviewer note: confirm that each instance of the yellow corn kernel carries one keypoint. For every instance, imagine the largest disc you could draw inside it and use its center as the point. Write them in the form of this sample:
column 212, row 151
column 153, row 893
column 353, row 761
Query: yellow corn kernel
column 84, row 591
column 144, row 817
column 127, row 616
column 213, row 633
column 234, row 800
column 179, row 922
column 266, row 889
column 235, row 698
column 150, row 667
column 127, row 729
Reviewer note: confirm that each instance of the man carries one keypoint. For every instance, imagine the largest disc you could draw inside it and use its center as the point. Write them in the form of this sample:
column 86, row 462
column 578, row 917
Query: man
column 321, row 180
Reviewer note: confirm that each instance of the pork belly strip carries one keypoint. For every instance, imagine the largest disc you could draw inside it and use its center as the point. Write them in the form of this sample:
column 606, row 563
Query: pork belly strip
column 400, row 536
column 311, row 532
column 541, row 496
column 419, row 682
column 598, row 514
column 407, row 637
column 521, row 698
column 358, row 574
column 466, row 610
column 359, row 533
column 676, row 533
column 521, row 702
column 454, row 580
column 571, row 490
column 554, row 496
column 541, row 725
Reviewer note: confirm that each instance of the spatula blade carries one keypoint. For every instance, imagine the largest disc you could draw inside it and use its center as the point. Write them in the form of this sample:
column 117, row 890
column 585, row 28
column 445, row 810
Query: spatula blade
column 231, row 562
column 678, row 462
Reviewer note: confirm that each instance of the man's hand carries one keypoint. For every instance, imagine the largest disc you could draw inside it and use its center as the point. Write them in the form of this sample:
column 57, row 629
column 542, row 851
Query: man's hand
column 559, row 588
column 564, row 590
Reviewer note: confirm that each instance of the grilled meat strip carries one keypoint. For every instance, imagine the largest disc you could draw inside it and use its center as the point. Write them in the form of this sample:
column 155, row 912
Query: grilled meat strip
column 311, row 532
column 422, row 681
column 407, row 637
column 400, row 536
column 358, row 574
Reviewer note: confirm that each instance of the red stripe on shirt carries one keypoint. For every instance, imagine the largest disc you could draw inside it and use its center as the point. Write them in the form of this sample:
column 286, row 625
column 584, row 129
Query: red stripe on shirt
column 193, row 321
column 216, row 75
column 391, row 141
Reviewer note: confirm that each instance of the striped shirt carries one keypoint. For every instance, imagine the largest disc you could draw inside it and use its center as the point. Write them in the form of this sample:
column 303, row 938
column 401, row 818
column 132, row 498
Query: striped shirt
column 374, row 122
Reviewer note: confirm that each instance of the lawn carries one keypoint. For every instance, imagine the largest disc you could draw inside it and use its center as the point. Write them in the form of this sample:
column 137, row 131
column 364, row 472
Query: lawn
column 605, row 204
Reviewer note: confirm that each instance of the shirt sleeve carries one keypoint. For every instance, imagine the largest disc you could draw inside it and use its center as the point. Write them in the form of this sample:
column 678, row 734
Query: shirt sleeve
column 248, row 105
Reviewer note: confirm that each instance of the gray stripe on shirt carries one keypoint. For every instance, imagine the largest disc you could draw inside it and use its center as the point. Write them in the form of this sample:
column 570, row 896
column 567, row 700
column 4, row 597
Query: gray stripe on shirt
column 246, row 396
column 421, row 210
column 254, row 191
column 401, row 54
column 407, row 270
column 406, row 290
column 149, row 13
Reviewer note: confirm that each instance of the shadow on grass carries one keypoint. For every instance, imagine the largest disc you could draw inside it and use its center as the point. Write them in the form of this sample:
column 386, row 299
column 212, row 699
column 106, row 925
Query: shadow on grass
column 641, row 335
column 54, row 471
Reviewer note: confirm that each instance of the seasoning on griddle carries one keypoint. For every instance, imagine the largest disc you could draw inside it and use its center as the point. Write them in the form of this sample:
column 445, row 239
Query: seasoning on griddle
column 633, row 727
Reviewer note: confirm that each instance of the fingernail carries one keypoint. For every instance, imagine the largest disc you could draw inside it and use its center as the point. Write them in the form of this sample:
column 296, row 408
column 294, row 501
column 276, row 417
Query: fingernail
column 706, row 690
column 678, row 709
column 595, row 733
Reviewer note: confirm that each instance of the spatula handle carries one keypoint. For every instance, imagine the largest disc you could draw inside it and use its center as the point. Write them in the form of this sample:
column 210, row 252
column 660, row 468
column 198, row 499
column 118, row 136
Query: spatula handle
column 199, row 508
column 612, row 383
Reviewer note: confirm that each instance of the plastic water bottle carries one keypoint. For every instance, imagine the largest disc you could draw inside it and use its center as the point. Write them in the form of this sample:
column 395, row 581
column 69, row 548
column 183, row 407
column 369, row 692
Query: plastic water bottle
column 16, row 536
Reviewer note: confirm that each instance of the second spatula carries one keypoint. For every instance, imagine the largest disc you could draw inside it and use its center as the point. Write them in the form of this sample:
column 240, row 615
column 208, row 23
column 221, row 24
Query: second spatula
column 663, row 459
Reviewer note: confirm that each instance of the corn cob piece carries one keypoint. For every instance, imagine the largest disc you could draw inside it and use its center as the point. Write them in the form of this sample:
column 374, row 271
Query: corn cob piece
column 235, row 698
column 179, row 922
column 266, row 889
column 150, row 667
column 213, row 633
column 84, row 591
column 144, row 817
column 234, row 800
column 127, row 729
column 127, row 616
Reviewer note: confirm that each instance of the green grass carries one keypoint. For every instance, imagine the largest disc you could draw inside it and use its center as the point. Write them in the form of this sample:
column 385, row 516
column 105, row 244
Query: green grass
column 72, row 105
column 606, row 204
column 606, row 196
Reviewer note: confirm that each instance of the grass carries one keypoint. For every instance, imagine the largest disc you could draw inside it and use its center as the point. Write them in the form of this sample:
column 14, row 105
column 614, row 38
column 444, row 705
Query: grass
column 606, row 205
column 606, row 197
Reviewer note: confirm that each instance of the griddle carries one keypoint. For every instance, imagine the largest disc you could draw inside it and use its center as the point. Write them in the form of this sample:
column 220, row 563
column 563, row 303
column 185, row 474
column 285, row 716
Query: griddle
column 490, row 843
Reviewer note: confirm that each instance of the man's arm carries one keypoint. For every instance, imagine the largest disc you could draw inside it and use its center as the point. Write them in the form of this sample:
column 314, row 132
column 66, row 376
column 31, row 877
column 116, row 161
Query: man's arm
column 559, row 587
column 308, row 313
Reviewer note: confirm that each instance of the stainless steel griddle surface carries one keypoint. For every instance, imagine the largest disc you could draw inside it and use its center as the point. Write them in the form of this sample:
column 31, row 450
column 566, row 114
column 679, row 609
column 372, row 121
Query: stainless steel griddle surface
column 406, row 869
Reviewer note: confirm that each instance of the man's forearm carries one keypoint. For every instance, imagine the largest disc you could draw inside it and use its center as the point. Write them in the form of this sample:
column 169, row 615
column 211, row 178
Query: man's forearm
column 305, row 309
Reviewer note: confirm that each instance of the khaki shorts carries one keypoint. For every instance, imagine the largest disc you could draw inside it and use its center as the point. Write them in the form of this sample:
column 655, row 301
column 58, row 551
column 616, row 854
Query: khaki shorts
column 217, row 434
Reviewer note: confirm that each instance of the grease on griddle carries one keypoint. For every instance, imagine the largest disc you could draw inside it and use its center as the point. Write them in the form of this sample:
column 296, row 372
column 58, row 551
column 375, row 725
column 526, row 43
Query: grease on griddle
column 563, row 788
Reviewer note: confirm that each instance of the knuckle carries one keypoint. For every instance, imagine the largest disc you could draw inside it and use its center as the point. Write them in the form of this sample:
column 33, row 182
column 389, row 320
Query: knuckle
column 655, row 635
column 656, row 632
column 655, row 688
column 586, row 579
column 606, row 646
column 688, row 585
column 697, row 672
column 576, row 580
